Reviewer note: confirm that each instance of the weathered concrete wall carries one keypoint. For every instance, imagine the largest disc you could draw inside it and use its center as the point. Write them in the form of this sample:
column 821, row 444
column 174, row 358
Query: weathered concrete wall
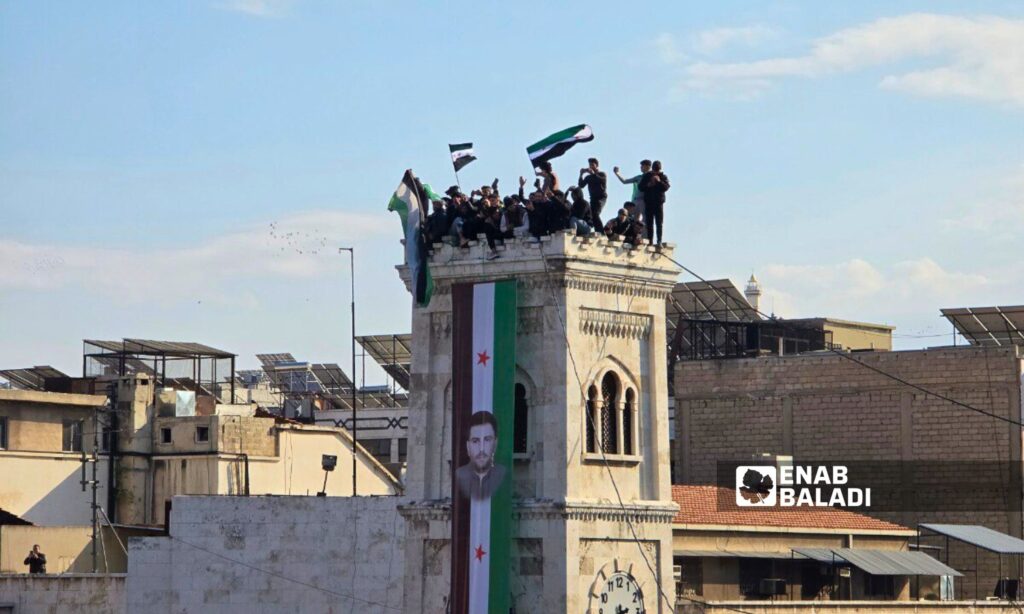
column 95, row 594
column 44, row 487
column 243, row 554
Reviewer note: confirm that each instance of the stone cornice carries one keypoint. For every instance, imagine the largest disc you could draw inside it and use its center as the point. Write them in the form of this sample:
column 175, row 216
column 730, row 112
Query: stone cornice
column 568, row 261
column 605, row 323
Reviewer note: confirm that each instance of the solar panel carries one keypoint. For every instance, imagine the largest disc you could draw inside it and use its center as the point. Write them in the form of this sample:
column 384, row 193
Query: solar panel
column 718, row 300
column 272, row 359
column 989, row 326
column 33, row 378
column 392, row 352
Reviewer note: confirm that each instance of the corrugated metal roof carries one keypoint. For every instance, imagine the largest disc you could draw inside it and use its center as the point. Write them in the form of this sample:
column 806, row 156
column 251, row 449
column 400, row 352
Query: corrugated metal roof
column 895, row 562
column 982, row 537
column 743, row 554
column 822, row 555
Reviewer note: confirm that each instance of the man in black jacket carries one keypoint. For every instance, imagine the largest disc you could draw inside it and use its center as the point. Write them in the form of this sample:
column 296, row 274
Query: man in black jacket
column 580, row 213
column 653, row 185
column 596, row 182
column 438, row 223
column 36, row 560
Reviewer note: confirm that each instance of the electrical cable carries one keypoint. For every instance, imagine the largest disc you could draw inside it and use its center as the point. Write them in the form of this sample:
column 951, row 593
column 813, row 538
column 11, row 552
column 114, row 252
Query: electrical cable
column 283, row 577
column 846, row 356
column 593, row 425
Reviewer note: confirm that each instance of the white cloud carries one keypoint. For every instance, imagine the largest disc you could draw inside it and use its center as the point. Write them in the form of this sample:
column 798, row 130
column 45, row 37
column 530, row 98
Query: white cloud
column 998, row 213
column 711, row 41
column 258, row 8
column 301, row 246
column 977, row 57
column 860, row 290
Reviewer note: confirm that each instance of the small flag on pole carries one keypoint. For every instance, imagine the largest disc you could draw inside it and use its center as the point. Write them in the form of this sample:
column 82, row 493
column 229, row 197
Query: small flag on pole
column 462, row 154
column 559, row 143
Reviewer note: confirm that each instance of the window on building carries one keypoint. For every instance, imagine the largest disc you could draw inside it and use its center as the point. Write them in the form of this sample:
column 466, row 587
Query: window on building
column 72, row 440
column 403, row 449
column 627, row 422
column 691, row 577
column 591, row 419
column 202, row 434
column 379, row 448
column 609, row 413
column 520, row 425
column 879, row 586
column 752, row 571
column 106, row 439
column 165, row 435
column 3, row 433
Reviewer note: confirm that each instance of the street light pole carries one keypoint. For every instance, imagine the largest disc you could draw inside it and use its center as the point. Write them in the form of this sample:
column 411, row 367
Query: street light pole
column 355, row 422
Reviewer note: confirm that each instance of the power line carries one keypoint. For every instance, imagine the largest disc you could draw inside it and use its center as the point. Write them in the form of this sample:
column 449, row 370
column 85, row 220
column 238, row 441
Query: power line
column 604, row 459
column 847, row 356
column 286, row 578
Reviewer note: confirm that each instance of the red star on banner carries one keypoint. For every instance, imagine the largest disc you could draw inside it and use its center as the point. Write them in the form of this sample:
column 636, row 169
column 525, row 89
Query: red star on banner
column 480, row 552
column 482, row 358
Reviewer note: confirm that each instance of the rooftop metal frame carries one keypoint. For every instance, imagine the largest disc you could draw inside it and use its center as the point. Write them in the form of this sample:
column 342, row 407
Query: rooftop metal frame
column 189, row 363
column 988, row 326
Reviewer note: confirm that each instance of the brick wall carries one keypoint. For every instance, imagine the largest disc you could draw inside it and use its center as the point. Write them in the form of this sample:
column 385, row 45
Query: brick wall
column 248, row 554
column 824, row 407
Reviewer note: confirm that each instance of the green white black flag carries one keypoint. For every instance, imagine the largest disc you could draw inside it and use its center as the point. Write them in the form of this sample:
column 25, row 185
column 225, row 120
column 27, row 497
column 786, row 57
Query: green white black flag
column 559, row 143
column 462, row 154
column 410, row 202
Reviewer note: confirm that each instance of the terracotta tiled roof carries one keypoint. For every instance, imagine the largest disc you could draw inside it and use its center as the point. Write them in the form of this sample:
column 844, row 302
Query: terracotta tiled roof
column 714, row 505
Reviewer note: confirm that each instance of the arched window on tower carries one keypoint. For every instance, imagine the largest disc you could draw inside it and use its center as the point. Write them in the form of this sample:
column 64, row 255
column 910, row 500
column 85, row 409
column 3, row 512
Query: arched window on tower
column 610, row 413
column 628, row 420
column 591, row 420
column 520, row 426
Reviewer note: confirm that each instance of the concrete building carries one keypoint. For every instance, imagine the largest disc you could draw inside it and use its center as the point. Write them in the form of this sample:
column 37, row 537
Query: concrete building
column 726, row 553
column 247, row 455
column 955, row 465
column 591, row 316
column 43, row 436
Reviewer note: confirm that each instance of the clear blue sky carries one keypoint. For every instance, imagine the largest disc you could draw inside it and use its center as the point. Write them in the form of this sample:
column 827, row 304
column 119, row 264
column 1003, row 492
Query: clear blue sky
column 865, row 160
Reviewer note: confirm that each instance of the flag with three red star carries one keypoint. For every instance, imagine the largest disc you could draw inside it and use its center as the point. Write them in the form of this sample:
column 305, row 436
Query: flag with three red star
column 483, row 389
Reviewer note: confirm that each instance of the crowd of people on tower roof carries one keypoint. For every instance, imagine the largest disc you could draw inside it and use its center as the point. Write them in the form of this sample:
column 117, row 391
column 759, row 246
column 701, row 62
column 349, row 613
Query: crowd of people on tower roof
column 458, row 218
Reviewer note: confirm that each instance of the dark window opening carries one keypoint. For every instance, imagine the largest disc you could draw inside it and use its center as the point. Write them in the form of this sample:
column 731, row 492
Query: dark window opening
column 752, row 571
column 879, row 586
column 627, row 423
column 165, row 435
column 72, row 436
column 591, row 419
column 379, row 448
column 3, row 433
column 520, row 426
column 691, row 579
column 202, row 434
column 403, row 449
column 609, row 414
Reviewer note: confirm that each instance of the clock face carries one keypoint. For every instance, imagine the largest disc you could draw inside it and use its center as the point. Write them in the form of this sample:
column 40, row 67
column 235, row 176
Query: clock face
column 619, row 594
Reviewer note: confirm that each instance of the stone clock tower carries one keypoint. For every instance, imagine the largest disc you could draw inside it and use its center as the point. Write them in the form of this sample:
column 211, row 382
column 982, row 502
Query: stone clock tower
column 593, row 508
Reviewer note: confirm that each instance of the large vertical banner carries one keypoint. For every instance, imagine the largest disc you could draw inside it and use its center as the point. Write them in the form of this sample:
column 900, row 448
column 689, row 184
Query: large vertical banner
column 483, row 389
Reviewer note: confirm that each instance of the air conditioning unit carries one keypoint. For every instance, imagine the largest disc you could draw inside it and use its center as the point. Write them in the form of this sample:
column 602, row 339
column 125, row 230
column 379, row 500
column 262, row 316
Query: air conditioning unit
column 677, row 573
column 772, row 586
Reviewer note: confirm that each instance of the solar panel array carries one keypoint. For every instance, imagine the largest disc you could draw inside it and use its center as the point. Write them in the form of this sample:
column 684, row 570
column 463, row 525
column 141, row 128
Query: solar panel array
column 393, row 353
column 989, row 326
column 33, row 378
